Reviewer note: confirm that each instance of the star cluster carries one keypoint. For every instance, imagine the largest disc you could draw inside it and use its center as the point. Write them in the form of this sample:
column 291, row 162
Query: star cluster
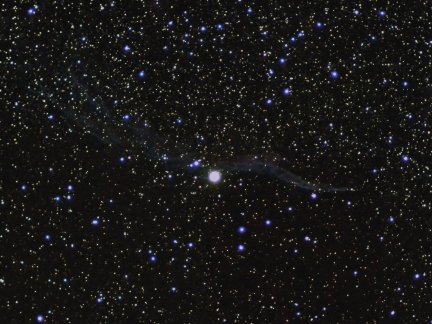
column 119, row 118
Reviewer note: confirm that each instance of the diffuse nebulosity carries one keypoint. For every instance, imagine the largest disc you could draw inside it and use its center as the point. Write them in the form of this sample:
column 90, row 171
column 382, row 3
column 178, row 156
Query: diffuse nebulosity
column 97, row 119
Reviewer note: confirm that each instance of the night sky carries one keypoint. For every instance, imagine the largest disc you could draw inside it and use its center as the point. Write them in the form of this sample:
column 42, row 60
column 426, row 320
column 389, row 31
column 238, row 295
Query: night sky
column 216, row 161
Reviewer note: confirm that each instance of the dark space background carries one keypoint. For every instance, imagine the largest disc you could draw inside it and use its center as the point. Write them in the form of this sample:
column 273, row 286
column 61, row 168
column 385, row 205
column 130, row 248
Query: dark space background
column 105, row 106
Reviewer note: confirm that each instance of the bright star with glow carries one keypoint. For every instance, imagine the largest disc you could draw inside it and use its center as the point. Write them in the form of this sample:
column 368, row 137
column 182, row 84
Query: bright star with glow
column 215, row 176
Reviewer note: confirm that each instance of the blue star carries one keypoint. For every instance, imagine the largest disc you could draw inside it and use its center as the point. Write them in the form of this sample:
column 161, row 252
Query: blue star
column 31, row 11
column 219, row 27
column 241, row 230
column 319, row 25
column 195, row 164
column 334, row 74
column 39, row 318
column 241, row 248
column 286, row 92
column 268, row 222
column 95, row 222
column 382, row 13
column 127, row 49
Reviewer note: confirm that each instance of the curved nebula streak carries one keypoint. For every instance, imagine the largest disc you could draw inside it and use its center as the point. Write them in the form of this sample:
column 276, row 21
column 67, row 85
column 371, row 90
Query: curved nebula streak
column 276, row 172
column 156, row 147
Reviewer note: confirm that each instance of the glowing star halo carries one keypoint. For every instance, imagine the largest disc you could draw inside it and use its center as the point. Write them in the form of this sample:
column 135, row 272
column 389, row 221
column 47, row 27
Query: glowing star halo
column 214, row 176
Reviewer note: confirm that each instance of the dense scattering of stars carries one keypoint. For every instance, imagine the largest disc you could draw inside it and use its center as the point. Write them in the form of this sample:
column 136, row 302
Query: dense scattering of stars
column 98, row 227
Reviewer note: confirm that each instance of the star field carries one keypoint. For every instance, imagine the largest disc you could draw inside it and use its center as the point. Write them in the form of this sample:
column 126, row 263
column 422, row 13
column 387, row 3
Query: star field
column 221, row 161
